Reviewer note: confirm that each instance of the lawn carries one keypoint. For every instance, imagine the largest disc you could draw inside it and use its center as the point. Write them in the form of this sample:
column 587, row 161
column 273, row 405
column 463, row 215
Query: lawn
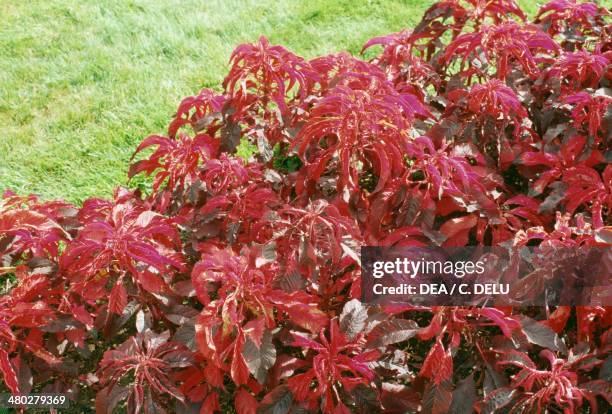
column 82, row 82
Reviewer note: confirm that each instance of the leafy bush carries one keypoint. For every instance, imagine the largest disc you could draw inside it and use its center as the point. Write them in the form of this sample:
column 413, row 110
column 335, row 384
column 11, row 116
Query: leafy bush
column 235, row 283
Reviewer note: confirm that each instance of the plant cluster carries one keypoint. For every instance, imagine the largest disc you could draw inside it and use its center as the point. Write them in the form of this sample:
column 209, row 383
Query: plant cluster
column 234, row 284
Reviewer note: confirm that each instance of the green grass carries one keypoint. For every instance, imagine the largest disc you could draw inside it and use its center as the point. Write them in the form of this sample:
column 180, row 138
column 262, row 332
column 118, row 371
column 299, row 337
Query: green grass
column 82, row 81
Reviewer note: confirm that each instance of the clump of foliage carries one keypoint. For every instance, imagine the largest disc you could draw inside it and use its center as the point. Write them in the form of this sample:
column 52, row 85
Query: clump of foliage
column 237, row 282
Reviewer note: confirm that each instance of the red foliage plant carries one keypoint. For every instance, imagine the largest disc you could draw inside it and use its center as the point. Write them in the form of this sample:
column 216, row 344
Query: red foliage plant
column 236, row 282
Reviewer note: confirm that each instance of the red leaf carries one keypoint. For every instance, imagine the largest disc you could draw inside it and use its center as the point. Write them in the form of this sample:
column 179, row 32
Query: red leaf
column 239, row 370
column 118, row 298
column 255, row 330
column 211, row 404
column 244, row 402
column 307, row 316
column 437, row 398
column 438, row 364
column 152, row 282
column 457, row 230
column 10, row 376
column 341, row 409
